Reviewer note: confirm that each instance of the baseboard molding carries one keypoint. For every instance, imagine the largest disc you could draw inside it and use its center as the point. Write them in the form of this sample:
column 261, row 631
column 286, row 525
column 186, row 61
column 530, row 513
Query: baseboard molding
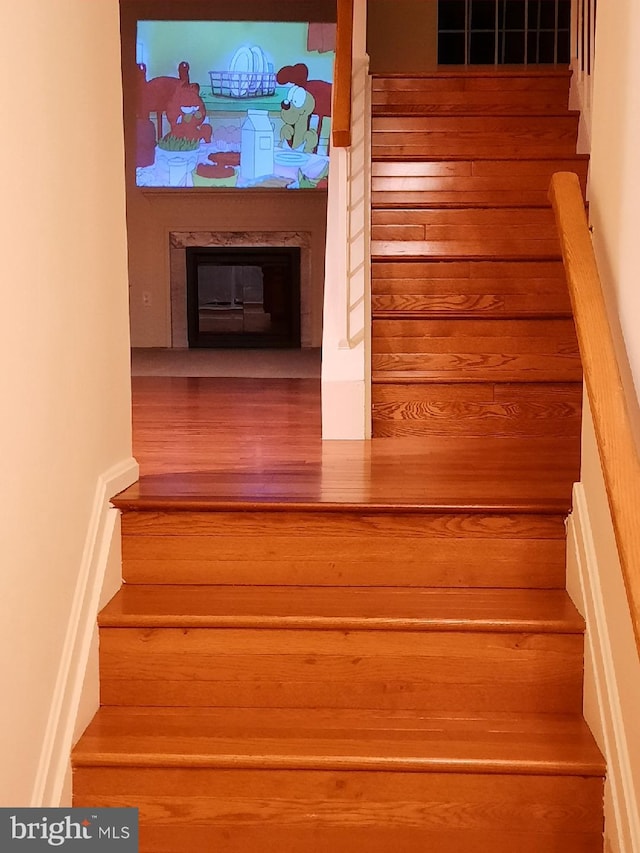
column 54, row 760
column 621, row 801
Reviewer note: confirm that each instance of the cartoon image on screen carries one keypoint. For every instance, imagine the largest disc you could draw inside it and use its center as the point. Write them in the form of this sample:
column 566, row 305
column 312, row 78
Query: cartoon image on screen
column 233, row 104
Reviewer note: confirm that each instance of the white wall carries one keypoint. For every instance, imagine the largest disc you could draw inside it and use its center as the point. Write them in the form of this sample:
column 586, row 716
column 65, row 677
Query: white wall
column 615, row 166
column 65, row 425
column 612, row 667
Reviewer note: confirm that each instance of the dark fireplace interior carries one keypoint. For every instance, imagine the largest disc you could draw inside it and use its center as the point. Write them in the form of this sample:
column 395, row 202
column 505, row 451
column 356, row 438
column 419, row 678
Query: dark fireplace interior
column 243, row 297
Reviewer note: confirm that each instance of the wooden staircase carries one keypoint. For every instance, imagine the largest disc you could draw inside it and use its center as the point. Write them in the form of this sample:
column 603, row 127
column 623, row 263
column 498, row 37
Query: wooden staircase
column 472, row 327
column 369, row 646
column 298, row 678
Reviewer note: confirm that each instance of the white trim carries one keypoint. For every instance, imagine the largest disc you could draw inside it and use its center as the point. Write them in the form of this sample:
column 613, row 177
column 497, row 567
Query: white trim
column 346, row 406
column 600, row 663
column 580, row 99
column 54, row 757
column 344, row 410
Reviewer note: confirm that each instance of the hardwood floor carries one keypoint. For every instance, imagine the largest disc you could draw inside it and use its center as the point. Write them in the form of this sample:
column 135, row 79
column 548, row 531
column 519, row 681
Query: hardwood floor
column 257, row 442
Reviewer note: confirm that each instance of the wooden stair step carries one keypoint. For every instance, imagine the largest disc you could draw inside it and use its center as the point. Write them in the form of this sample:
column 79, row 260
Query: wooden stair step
column 370, row 478
column 472, row 220
column 516, row 137
column 482, row 232
column 506, row 248
column 472, row 183
column 241, row 778
column 477, row 78
column 486, row 350
column 528, row 409
column 469, row 288
column 470, row 367
column 496, row 94
column 416, row 102
column 354, row 549
column 372, row 648
column 342, row 608
column 339, row 739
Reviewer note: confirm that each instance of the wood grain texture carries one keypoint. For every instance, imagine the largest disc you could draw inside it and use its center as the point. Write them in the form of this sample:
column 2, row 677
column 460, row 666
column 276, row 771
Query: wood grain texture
column 536, row 78
column 488, row 251
column 341, row 106
column 240, row 810
column 243, row 444
column 355, row 549
column 507, row 409
column 492, row 137
column 376, row 839
column 616, row 443
column 460, row 233
column 475, row 350
column 474, row 248
column 469, row 288
column 460, row 183
column 274, row 668
column 406, row 102
column 339, row 608
column 363, row 739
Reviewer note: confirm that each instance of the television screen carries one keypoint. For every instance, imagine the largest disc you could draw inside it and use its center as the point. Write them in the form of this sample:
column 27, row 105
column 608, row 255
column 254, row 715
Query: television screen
column 233, row 104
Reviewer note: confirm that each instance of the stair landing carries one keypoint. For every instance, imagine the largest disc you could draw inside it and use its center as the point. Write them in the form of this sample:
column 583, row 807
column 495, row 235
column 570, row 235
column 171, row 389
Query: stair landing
column 256, row 443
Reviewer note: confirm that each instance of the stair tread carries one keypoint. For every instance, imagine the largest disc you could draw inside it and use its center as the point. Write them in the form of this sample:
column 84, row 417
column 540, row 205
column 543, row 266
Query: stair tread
column 339, row 739
column 473, row 71
column 446, row 164
column 435, row 124
column 381, row 159
column 343, row 608
column 465, row 314
column 478, row 249
column 484, row 111
column 510, row 474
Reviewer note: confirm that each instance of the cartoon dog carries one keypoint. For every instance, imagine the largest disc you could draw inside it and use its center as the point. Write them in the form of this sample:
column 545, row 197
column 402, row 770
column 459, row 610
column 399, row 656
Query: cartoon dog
column 296, row 111
column 304, row 98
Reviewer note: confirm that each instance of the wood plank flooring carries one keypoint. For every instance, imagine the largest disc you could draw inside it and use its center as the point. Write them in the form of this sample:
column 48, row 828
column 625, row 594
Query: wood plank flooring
column 273, row 455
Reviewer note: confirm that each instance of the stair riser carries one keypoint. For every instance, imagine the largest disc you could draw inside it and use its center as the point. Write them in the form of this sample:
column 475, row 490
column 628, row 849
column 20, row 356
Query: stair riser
column 449, row 222
column 317, row 811
column 489, row 233
column 468, row 183
column 436, row 670
column 487, row 103
column 492, row 350
column 474, row 136
column 331, row 549
column 481, row 288
column 477, row 410
column 479, row 82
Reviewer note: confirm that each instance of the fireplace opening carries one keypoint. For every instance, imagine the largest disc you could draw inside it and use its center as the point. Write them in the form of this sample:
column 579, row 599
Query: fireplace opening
column 243, row 297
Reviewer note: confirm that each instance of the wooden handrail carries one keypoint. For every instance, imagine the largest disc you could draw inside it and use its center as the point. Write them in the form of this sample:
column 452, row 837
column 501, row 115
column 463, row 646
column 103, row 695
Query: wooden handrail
column 616, row 444
column 341, row 109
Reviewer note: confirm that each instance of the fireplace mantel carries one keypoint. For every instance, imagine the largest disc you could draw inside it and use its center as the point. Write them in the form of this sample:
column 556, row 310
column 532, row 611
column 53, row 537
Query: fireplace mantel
column 180, row 240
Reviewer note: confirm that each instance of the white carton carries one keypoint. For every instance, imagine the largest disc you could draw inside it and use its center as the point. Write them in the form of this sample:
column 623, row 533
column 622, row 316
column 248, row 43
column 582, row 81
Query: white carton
column 256, row 153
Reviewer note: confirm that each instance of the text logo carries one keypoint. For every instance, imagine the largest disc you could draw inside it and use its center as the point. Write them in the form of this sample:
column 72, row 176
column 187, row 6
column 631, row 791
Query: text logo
column 28, row 830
